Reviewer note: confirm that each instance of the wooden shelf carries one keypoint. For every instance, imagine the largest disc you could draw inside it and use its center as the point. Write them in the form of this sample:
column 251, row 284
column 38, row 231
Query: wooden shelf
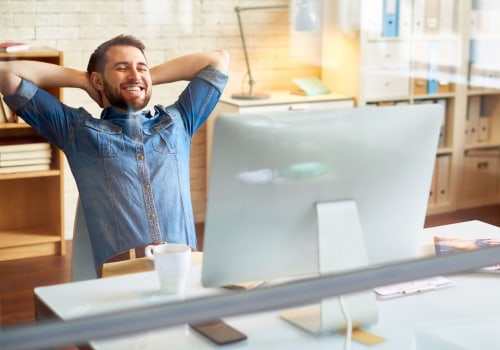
column 32, row 219
column 27, row 243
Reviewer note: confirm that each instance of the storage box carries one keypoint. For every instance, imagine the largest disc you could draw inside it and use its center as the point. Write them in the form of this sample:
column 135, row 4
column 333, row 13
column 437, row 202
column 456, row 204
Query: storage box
column 480, row 174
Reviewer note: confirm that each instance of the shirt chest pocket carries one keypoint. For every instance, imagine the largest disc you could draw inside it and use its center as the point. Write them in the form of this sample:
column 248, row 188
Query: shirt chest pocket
column 100, row 140
column 162, row 136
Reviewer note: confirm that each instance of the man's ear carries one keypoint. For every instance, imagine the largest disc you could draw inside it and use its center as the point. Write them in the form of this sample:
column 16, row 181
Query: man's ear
column 97, row 81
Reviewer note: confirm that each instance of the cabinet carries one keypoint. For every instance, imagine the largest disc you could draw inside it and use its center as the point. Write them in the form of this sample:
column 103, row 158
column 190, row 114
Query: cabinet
column 31, row 203
column 427, row 51
column 279, row 101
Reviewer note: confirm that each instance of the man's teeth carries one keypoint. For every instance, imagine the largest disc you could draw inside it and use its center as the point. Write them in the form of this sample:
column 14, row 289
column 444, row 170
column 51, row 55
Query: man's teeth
column 134, row 88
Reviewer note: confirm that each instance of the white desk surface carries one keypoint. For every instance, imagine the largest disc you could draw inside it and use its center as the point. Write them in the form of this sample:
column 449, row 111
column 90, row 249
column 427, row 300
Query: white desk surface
column 465, row 316
column 285, row 97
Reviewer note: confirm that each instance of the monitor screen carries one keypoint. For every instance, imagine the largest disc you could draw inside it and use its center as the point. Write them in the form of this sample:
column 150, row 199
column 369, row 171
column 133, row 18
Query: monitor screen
column 270, row 171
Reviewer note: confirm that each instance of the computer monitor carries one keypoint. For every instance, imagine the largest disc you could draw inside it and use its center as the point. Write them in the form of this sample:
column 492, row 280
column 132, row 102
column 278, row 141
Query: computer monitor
column 295, row 194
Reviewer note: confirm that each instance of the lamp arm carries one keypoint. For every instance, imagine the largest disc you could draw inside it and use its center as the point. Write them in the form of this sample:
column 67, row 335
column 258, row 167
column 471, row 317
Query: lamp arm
column 238, row 10
column 242, row 36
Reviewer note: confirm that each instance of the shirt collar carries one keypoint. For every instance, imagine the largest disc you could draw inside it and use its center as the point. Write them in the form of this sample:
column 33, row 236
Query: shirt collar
column 111, row 113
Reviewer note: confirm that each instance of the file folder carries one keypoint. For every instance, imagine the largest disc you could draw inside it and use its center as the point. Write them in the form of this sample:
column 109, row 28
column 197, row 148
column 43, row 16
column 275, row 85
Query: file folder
column 433, row 189
column 432, row 16
column 442, row 133
column 448, row 13
column 418, row 17
column 483, row 130
column 472, row 121
column 433, row 69
column 443, row 166
column 390, row 23
column 405, row 18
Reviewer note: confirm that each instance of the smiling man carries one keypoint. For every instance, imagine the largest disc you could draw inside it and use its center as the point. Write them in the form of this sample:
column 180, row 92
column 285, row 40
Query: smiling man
column 131, row 165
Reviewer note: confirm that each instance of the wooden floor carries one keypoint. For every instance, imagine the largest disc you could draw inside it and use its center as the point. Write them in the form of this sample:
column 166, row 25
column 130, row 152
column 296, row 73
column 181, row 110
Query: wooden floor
column 19, row 277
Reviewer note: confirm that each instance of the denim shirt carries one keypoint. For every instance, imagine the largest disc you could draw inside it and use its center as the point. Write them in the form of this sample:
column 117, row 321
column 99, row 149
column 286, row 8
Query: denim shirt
column 131, row 170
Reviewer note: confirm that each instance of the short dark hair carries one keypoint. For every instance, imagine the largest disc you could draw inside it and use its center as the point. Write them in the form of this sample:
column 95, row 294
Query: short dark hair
column 97, row 60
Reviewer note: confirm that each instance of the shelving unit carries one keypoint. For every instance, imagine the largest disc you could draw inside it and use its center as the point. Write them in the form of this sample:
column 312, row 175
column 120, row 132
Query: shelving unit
column 427, row 57
column 31, row 203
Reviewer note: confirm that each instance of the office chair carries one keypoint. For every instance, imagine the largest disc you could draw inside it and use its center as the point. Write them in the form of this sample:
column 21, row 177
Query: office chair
column 82, row 261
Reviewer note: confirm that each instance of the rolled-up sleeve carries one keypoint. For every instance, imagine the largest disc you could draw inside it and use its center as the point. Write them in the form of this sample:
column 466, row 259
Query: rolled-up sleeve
column 25, row 93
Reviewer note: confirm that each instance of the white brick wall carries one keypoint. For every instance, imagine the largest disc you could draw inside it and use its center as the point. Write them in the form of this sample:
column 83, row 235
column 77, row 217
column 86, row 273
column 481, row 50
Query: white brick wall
column 168, row 28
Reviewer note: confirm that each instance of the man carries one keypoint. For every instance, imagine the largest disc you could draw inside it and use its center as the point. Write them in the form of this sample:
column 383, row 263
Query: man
column 131, row 166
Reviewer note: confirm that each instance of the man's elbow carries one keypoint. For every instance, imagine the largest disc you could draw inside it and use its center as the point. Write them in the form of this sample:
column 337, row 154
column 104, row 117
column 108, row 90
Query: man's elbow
column 9, row 82
column 221, row 60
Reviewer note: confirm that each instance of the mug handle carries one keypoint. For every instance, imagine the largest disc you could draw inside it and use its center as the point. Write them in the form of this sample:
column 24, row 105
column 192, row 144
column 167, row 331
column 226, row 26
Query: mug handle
column 148, row 250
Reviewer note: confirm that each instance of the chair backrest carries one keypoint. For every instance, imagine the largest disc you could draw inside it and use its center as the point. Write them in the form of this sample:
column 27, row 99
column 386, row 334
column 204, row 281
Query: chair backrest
column 83, row 267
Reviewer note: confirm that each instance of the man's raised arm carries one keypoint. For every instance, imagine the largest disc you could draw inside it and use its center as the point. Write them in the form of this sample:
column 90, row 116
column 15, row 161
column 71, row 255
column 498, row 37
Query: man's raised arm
column 185, row 67
column 42, row 74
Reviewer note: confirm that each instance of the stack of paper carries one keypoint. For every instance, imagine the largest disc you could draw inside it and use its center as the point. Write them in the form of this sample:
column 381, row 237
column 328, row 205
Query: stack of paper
column 22, row 154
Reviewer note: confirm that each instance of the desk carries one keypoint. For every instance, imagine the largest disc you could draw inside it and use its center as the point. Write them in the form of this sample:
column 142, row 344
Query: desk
column 466, row 315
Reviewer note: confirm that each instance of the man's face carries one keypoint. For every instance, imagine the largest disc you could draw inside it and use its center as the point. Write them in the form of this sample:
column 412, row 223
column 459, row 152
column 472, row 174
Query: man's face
column 126, row 79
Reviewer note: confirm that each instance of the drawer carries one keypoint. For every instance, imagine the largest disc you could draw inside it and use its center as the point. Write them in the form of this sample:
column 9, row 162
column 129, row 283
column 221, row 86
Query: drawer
column 384, row 84
column 297, row 106
column 388, row 55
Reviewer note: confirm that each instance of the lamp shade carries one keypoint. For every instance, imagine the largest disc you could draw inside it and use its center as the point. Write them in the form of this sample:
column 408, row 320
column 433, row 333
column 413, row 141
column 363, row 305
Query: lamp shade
column 306, row 20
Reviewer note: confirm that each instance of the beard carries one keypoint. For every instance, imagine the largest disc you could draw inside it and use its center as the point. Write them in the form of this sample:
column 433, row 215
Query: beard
column 119, row 102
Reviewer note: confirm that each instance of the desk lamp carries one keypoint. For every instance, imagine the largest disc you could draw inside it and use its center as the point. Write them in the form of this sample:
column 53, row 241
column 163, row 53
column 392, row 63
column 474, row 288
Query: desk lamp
column 304, row 21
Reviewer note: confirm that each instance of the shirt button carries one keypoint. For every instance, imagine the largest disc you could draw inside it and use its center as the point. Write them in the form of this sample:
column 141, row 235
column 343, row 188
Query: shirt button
column 147, row 186
column 137, row 139
column 141, row 157
column 152, row 216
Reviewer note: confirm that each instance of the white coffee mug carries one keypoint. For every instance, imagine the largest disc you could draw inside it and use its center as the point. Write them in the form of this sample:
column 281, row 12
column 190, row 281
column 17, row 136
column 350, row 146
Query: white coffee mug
column 172, row 263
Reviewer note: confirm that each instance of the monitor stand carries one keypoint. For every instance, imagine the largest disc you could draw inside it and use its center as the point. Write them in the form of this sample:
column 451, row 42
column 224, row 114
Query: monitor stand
column 341, row 247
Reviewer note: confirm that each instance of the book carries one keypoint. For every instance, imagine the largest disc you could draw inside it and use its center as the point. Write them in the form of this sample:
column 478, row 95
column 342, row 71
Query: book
column 28, row 161
column 13, row 46
column 447, row 245
column 45, row 153
column 24, row 168
column 8, row 115
column 3, row 117
column 17, row 144
column 311, row 86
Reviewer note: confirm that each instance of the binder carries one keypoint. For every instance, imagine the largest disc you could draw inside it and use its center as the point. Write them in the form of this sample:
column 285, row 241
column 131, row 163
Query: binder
column 475, row 77
column 472, row 121
column 432, row 16
column 442, row 133
column 443, row 166
column 484, row 120
column 418, row 17
column 433, row 69
column 483, row 129
column 405, row 18
column 433, row 189
column 370, row 23
column 448, row 13
column 390, row 21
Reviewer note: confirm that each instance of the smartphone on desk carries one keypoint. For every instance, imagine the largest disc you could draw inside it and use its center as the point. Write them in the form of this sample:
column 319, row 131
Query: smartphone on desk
column 219, row 332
